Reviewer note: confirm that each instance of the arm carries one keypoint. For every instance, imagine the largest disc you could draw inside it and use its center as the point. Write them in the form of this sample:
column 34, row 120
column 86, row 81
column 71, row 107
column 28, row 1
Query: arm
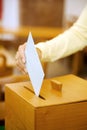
column 67, row 43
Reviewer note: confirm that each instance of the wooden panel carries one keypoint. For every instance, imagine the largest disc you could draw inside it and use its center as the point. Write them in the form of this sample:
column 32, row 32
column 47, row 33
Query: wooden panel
column 64, row 117
column 21, row 116
column 41, row 12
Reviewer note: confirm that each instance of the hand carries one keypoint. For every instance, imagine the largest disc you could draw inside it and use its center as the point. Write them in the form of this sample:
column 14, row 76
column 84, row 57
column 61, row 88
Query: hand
column 20, row 58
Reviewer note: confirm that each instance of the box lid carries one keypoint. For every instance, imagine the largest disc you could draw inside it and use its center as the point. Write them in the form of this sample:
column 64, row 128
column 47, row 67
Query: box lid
column 74, row 89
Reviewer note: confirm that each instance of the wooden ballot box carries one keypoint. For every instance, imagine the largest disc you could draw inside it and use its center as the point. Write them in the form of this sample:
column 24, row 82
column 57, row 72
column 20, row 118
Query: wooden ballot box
column 55, row 109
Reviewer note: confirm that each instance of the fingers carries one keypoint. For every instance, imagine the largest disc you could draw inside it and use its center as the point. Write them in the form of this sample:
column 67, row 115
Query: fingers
column 20, row 65
column 20, row 58
column 39, row 53
column 21, row 53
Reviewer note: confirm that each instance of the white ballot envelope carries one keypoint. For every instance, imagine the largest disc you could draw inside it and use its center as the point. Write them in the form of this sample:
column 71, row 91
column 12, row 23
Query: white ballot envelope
column 33, row 65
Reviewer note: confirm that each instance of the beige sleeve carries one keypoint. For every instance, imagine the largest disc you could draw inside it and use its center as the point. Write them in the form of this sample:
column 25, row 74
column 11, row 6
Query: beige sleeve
column 67, row 43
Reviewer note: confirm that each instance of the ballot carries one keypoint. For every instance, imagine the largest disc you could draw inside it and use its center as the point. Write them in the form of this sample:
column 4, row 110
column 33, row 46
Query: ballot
column 33, row 65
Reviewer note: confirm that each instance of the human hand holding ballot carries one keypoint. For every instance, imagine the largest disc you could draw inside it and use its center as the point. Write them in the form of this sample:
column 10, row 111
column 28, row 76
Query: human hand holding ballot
column 33, row 65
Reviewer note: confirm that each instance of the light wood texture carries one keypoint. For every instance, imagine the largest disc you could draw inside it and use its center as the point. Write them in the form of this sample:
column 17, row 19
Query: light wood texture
column 52, row 110
column 23, row 31
column 56, row 85
column 3, row 81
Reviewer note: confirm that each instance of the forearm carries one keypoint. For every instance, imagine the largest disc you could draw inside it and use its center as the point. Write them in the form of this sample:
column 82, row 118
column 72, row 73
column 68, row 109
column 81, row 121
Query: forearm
column 62, row 46
column 71, row 41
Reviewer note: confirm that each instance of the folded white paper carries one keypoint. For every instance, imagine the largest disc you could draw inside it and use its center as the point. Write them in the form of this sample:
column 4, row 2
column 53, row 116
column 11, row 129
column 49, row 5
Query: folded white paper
column 33, row 65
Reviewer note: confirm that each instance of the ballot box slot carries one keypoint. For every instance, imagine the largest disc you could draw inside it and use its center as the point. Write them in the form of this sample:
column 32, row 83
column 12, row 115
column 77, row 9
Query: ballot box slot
column 31, row 90
column 53, row 88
